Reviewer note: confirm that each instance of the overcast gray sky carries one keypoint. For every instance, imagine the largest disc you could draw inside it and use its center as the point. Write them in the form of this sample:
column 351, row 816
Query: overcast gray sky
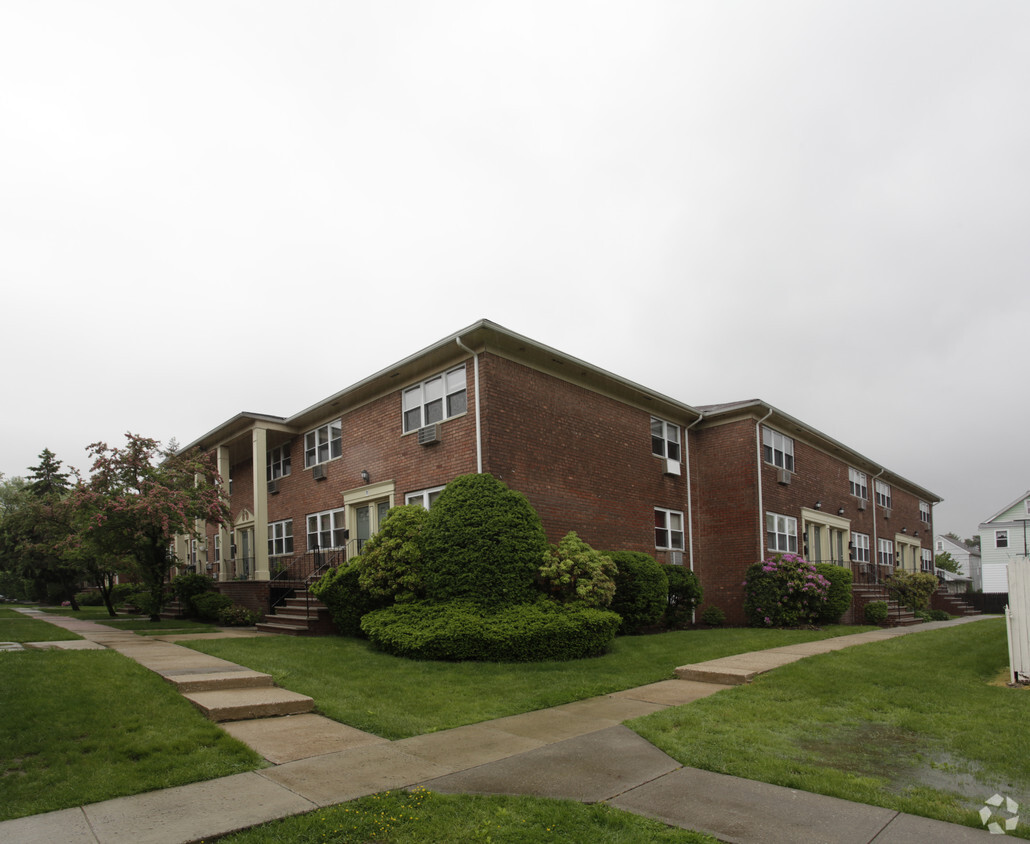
column 209, row 207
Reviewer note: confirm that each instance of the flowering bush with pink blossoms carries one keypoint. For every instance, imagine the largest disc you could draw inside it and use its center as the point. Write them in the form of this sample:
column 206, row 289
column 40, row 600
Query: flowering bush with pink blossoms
column 784, row 591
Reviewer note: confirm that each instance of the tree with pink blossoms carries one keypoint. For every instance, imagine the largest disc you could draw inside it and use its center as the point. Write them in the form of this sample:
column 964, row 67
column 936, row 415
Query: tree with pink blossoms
column 138, row 498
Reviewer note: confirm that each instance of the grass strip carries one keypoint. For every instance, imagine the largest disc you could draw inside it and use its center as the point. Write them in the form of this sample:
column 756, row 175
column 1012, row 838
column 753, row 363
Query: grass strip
column 395, row 697
column 18, row 627
column 912, row 724
column 419, row 816
column 84, row 726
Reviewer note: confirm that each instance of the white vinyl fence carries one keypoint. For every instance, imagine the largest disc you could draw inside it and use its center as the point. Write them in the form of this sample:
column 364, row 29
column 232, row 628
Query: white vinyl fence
column 1017, row 618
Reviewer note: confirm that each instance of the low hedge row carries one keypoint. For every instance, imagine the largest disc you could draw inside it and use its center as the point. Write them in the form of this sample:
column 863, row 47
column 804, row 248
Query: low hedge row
column 462, row 630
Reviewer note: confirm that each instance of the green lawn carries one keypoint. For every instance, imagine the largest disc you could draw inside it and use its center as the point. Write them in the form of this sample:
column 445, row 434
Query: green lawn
column 395, row 697
column 137, row 623
column 912, row 724
column 420, row 816
column 18, row 627
column 82, row 726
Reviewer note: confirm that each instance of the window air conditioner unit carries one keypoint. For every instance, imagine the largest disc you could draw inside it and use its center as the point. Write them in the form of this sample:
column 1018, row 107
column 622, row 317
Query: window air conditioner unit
column 861, row 504
column 429, row 434
column 273, row 486
column 886, row 512
column 319, row 472
column 676, row 558
column 672, row 466
column 783, row 476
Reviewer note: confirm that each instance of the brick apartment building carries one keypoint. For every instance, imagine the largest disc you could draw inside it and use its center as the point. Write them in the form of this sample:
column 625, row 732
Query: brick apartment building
column 713, row 488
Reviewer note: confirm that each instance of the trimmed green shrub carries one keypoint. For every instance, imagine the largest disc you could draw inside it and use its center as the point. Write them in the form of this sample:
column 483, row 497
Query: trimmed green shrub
column 939, row 615
column 393, row 557
column 912, row 589
column 876, row 612
column 208, row 604
column 340, row 590
column 237, row 616
column 89, row 599
column 713, row 617
column 641, row 590
column 839, row 597
column 188, row 586
column 140, row 601
column 482, row 541
column 784, row 591
column 684, row 595
column 573, row 572
column 121, row 591
column 465, row 630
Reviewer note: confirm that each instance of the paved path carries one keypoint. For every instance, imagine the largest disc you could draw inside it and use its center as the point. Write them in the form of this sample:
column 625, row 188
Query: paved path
column 578, row 751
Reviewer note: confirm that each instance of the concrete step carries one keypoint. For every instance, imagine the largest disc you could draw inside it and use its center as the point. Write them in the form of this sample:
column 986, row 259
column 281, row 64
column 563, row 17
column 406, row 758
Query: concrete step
column 219, row 681
column 244, row 704
column 287, row 629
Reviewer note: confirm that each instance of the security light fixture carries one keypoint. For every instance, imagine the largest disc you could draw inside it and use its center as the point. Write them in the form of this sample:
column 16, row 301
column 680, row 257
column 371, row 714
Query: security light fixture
column 840, row 511
column 818, row 505
column 364, row 475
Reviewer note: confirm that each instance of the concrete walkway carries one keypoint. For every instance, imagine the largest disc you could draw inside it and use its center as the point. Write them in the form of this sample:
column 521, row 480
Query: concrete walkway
column 577, row 751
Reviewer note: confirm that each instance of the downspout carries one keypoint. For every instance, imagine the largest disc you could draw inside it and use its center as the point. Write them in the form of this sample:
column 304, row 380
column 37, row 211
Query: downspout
column 761, row 507
column 690, row 509
column 479, row 429
column 876, row 545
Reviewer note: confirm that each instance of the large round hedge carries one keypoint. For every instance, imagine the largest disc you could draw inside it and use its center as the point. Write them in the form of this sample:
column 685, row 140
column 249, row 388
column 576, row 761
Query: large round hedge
column 340, row 590
column 482, row 541
column 465, row 630
column 641, row 590
column 839, row 598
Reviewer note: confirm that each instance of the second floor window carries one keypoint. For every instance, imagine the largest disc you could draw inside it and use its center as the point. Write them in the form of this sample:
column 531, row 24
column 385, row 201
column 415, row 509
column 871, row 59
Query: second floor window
column 1001, row 539
column 665, row 439
column 323, row 444
column 927, row 563
column 778, row 449
column 924, row 512
column 858, row 483
column 883, row 494
column 435, row 399
column 278, row 462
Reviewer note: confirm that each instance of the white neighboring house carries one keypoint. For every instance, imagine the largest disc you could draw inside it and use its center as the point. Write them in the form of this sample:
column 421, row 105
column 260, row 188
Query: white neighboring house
column 968, row 560
column 1003, row 536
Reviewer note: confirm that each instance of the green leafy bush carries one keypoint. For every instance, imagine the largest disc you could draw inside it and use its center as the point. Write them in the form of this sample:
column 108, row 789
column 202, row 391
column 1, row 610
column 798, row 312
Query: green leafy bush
column 838, row 599
column 140, row 601
column 188, row 586
column 340, row 590
column 939, row 615
column 573, row 572
column 208, row 604
column 483, row 542
column 876, row 612
column 784, row 591
column 121, row 591
column 912, row 589
column 684, row 595
column 713, row 617
column 237, row 616
column 89, row 599
column 465, row 630
column 641, row 590
column 393, row 557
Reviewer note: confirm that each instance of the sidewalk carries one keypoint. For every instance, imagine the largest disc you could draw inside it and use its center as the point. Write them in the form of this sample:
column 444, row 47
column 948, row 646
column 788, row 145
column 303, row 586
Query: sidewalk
column 577, row 751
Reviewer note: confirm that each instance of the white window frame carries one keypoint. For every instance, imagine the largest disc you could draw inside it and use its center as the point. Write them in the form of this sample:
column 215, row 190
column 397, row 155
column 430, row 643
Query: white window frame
column 1001, row 538
column 885, row 553
column 280, row 538
column 668, row 529
column 277, row 462
column 924, row 512
column 777, row 449
column 336, row 529
column 927, row 560
column 434, row 400
column 218, row 547
column 860, row 547
column 781, row 533
column 883, row 494
column 859, row 484
column 424, row 498
column 323, row 444
column 665, row 439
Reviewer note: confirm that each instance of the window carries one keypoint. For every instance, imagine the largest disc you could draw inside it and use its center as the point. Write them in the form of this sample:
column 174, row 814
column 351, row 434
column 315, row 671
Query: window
column 325, row 530
column 193, row 552
column 782, row 533
column 277, row 462
column 924, row 512
column 1001, row 539
column 665, row 439
column 1027, row 503
column 940, row 545
column 668, row 529
column 885, row 552
column 218, row 547
column 323, row 444
column 435, row 399
column 883, row 494
column 280, row 538
column 927, row 563
column 859, row 485
column 860, row 547
column 778, row 449
column 424, row 497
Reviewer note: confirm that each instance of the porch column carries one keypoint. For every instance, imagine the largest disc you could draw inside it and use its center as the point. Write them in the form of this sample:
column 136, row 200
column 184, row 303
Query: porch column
column 260, row 456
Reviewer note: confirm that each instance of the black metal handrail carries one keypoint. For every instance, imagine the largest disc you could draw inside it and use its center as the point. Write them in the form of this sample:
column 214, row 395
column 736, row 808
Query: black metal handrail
column 302, row 571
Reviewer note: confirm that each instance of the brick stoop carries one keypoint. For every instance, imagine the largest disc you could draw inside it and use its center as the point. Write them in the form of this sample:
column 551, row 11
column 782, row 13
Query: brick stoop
column 301, row 615
column 173, row 610
column 951, row 604
column 866, row 593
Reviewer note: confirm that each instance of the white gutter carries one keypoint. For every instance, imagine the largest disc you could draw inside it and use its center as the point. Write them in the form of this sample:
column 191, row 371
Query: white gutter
column 761, row 507
column 690, row 509
column 479, row 430
column 874, row 552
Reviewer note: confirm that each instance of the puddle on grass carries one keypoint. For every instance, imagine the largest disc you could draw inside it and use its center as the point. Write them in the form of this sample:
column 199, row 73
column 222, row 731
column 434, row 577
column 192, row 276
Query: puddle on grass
column 894, row 756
